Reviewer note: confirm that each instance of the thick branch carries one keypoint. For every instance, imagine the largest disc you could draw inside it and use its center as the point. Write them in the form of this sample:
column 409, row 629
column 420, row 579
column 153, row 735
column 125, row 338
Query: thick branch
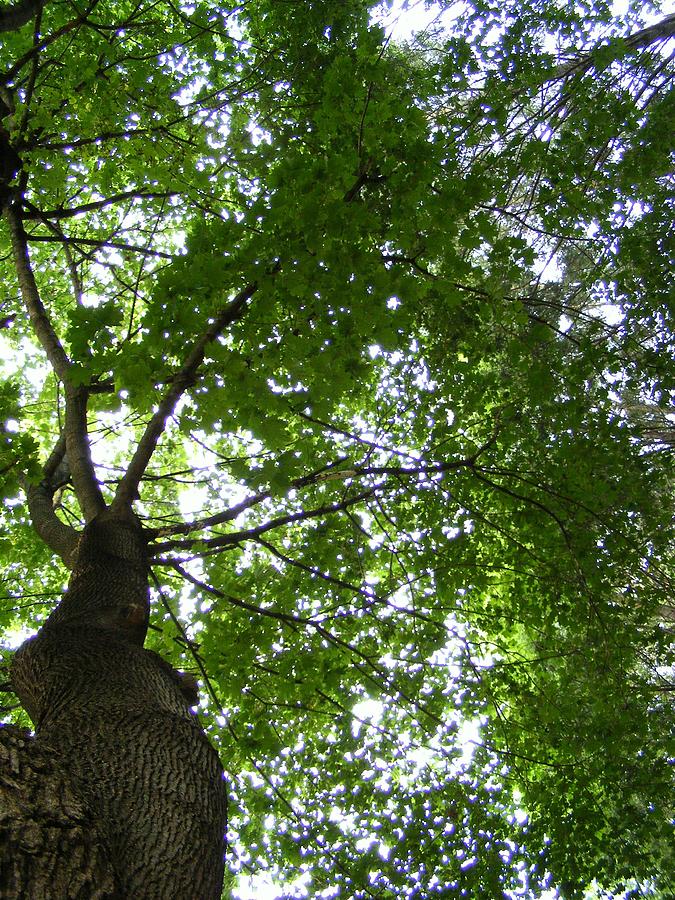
column 59, row 537
column 55, row 459
column 16, row 15
column 659, row 31
column 182, row 380
column 85, row 484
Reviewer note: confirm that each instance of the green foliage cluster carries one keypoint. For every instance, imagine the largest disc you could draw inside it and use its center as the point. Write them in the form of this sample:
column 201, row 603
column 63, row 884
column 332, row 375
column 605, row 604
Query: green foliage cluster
column 424, row 564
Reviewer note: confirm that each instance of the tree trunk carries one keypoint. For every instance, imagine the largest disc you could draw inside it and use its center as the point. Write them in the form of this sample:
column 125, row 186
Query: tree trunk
column 49, row 844
column 114, row 729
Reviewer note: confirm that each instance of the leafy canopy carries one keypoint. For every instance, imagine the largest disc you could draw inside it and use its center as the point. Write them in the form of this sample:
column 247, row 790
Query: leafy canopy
column 411, row 514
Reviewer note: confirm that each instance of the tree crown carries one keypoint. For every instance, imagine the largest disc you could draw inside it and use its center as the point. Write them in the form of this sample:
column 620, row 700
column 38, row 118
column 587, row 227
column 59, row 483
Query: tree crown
column 375, row 336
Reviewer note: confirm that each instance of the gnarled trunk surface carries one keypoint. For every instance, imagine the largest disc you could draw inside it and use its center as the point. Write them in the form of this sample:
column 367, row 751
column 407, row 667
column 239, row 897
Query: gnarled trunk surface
column 114, row 728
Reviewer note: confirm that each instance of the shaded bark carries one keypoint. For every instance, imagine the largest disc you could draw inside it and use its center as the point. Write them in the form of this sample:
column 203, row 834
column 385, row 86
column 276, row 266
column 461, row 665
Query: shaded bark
column 117, row 717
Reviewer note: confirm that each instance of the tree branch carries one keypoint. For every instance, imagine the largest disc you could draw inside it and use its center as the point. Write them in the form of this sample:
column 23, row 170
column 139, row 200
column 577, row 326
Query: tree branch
column 295, row 620
column 325, row 473
column 356, row 438
column 320, row 477
column 59, row 537
column 235, row 601
column 37, row 48
column 182, row 380
column 318, row 573
column 101, row 244
column 62, row 213
column 236, row 537
column 55, row 459
column 659, row 31
column 31, row 296
column 85, row 484
column 16, row 15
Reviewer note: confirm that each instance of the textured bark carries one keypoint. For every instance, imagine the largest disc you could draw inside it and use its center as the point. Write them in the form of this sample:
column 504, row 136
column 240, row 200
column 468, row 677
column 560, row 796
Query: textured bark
column 117, row 717
column 49, row 845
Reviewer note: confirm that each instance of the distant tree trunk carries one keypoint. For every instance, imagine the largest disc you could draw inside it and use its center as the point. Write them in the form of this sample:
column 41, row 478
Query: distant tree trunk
column 116, row 748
